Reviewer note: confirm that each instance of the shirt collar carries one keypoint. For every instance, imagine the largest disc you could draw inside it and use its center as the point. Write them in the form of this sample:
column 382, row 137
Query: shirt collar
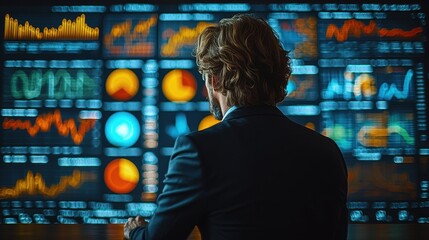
column 228, row 111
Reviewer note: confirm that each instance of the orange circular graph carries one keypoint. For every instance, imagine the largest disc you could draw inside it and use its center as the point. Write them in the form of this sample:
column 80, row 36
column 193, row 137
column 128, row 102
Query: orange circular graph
column 121, row 176
column 207, row 122
column 179, row 86
column 122, row 84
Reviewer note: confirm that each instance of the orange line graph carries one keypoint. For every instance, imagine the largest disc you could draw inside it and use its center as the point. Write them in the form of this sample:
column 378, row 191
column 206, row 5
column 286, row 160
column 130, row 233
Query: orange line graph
column 185, row 36
column 355, row 28
column 45, row 121
column 34, row 184
column 135, row 42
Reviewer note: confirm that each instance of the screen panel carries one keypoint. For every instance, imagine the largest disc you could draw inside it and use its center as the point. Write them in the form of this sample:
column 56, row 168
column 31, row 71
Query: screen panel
column 94, row 96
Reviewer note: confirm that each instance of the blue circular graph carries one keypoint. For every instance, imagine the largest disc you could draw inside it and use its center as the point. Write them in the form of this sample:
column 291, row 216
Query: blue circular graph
column 122, row 129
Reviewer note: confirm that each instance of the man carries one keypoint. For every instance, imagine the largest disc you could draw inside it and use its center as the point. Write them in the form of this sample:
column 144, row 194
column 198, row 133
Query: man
column 256, row 174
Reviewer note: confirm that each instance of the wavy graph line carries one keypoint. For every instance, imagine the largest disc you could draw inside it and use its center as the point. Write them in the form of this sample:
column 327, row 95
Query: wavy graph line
column 44, row 123
column 134, row 39
column 402, row 132
column 371, row 136
column 354, row 28
column 388, row 92
column 33, row 184
column 185, row 36
column 51, row 84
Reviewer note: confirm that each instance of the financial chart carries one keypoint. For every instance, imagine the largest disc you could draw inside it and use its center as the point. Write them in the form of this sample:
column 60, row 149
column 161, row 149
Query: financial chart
column 94, row 96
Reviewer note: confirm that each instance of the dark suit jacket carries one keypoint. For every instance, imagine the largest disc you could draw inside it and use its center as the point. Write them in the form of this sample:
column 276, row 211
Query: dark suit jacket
column 255, row 175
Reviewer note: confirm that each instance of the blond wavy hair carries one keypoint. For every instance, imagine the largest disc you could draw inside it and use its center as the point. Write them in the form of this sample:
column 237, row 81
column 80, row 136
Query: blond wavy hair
column 246, row 56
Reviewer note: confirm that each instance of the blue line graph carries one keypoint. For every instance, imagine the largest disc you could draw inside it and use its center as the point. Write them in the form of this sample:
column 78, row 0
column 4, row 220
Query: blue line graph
column 387, row 92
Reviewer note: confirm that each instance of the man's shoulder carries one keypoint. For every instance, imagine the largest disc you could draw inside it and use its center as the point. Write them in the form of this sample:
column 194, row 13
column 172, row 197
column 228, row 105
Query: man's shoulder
column 215, row 129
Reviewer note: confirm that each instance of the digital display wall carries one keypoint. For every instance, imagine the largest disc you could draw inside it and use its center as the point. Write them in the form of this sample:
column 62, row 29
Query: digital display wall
column 94, row 96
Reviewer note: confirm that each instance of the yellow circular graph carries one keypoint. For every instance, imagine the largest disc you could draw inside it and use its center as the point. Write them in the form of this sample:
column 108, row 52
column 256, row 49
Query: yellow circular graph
column 179, row 86
column 207, row 122
column 122, row 84
column 121, row 175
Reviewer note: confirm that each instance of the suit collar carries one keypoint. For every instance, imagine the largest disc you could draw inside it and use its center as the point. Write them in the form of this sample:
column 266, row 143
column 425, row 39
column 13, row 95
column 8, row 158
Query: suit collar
column 228, row 111
column 253, row 110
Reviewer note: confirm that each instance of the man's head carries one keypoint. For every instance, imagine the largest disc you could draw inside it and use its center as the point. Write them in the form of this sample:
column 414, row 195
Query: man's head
column 246, row 58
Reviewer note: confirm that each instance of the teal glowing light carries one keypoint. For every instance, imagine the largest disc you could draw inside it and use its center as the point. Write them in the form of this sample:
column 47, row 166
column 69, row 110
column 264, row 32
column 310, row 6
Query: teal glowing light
column 122, row 129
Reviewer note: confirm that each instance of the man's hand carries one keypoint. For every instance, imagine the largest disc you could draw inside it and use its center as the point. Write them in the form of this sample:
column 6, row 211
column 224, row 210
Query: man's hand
column 132, row 223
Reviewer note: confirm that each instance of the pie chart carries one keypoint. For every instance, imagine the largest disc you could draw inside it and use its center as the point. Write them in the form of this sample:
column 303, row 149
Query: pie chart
column 121, row 175
column 207, row 122
column 122, row 129
column 179, row 86
column 122, row 84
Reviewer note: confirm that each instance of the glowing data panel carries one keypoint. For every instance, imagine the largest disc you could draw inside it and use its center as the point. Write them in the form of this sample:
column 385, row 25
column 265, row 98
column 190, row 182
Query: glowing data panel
column 49, row 126
column 178, row 38
column 366, row 82
column 298, row 33
column 67, row 29
column 130, row 35
column 396, row 182
column 94, row 96
column 38, row 185
column 374, row 34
